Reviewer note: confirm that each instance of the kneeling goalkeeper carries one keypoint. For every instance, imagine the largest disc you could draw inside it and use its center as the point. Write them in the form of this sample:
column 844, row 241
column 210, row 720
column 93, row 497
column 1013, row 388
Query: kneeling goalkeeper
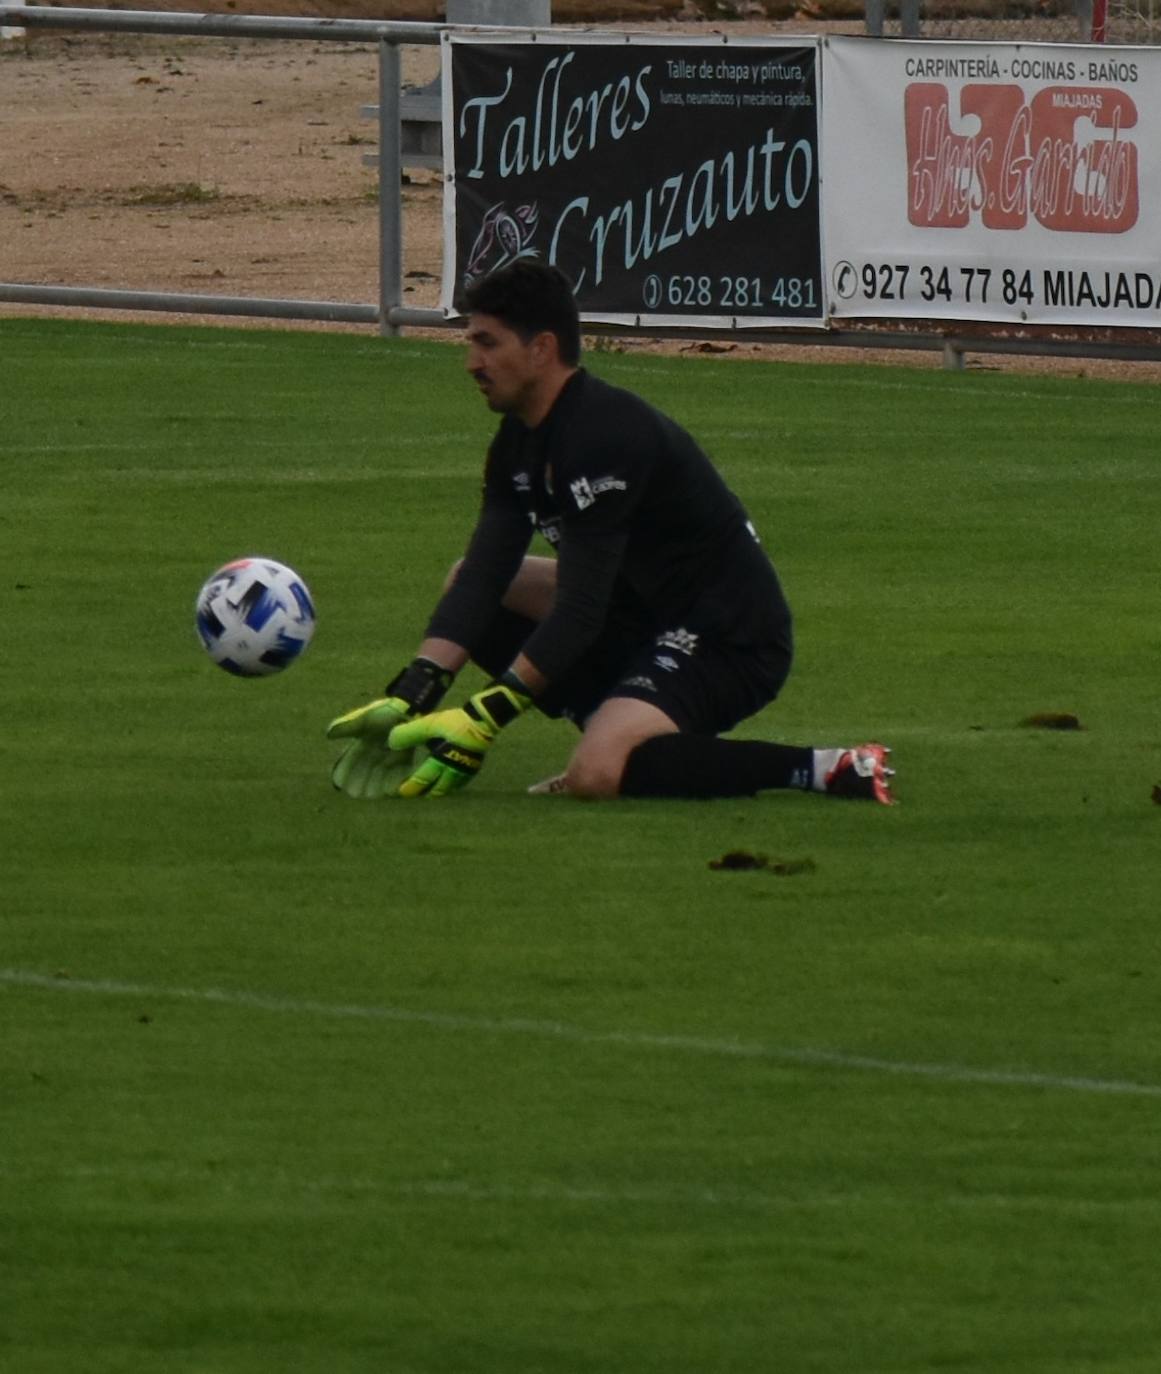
column 659, row 624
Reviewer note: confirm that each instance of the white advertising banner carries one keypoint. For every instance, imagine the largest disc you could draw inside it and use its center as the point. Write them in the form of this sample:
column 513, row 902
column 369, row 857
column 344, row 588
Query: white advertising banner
column 992, row 181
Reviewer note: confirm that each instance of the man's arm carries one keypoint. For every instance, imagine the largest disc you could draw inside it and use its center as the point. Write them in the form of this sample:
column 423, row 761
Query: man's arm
column 445, row 652
column 587, row 567
column 528, row 675
column 370, row 767
column 460, row 739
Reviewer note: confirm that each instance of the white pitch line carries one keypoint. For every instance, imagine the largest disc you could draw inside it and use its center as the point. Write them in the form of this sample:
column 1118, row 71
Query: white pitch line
column 372, row 448
column 579, row 1035
column 234, row 1180
column 449, row 1189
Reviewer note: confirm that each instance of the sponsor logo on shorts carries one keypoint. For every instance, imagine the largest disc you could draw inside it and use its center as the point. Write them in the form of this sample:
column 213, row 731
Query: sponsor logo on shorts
column 670, row 665
column 680, row 641
column 646, row 684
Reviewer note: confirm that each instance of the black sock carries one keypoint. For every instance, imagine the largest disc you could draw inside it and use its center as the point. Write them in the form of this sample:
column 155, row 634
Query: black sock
column 704, row 766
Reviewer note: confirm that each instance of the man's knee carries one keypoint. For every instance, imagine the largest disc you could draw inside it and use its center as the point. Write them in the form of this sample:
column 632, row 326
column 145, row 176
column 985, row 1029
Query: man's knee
column 611, row 734
column 594, row 777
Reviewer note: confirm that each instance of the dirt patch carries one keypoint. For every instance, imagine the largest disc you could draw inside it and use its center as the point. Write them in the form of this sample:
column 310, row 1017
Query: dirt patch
column 237, row 167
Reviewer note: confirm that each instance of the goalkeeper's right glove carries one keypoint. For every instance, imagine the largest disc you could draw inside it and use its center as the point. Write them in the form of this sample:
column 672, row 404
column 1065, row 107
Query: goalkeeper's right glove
column 460, row 739
column 368, row 769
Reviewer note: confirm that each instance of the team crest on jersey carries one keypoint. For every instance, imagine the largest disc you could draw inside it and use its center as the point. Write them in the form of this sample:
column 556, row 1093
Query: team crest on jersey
column 585, row 493
column 582, row 493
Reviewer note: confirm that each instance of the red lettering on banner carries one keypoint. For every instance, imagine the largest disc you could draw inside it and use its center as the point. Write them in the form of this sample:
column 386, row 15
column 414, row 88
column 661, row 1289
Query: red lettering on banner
column 1083, row 188
column 998, row 108
column 1061, row 158
column 940, row 162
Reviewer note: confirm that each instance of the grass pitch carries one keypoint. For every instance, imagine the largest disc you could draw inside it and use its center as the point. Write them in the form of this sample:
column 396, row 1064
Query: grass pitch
column 520, row 1085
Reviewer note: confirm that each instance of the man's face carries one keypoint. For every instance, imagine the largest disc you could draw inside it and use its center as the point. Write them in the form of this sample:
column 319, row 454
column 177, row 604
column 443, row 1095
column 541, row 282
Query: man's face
column 505, row 368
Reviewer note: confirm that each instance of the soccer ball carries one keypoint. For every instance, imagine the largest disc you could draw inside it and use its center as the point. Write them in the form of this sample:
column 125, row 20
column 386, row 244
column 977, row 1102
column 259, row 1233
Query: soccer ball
column 255, row 616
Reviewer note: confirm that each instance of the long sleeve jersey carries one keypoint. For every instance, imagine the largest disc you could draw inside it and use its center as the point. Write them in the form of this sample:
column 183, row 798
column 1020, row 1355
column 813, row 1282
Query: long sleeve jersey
column 645, row 530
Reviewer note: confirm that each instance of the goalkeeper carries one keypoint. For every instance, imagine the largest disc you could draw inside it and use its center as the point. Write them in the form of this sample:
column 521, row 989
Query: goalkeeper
column 659, row 624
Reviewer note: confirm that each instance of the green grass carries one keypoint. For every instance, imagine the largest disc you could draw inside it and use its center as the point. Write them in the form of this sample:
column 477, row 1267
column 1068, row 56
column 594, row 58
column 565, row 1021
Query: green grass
column 513, row 1085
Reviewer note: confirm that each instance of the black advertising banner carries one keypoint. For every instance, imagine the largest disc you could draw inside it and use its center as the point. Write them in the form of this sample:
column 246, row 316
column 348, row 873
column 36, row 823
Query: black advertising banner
column 672, row 182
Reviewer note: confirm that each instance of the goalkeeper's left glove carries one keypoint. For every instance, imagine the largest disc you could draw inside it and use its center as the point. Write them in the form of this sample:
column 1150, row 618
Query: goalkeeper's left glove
column 458, row 739
column 368, row 768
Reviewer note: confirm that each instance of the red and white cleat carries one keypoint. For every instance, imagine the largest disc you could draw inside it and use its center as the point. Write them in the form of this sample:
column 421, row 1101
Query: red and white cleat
column 862, row 772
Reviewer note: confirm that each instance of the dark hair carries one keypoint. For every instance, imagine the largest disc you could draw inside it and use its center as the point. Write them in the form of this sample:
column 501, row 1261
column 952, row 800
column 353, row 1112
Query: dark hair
column 531, row 298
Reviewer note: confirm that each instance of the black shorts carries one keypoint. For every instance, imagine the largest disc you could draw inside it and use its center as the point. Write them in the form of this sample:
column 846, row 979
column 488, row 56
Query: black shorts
column 704, row 686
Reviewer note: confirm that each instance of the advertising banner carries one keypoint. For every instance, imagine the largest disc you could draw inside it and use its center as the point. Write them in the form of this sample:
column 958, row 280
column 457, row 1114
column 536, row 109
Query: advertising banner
column 998, row 181
column 674, row 182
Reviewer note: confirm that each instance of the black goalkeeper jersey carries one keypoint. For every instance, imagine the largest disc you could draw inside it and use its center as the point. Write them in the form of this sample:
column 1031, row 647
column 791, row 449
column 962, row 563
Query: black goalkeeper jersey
column 647, row 534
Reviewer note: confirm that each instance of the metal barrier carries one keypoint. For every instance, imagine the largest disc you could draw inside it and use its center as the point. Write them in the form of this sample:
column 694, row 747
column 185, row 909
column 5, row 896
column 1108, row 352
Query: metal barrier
column 389, row 313
column 8, row 31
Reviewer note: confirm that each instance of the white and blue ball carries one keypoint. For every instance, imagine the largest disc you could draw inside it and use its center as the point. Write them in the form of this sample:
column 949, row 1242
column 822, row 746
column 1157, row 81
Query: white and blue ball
column 255, row 616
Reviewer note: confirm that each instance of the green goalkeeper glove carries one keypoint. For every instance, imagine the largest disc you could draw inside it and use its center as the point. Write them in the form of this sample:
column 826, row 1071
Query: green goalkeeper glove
column 368, row 769
column 458, row 739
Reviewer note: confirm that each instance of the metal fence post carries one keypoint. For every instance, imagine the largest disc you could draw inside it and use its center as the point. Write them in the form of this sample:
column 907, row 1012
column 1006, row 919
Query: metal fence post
column 11, row 31
column 390, row 195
